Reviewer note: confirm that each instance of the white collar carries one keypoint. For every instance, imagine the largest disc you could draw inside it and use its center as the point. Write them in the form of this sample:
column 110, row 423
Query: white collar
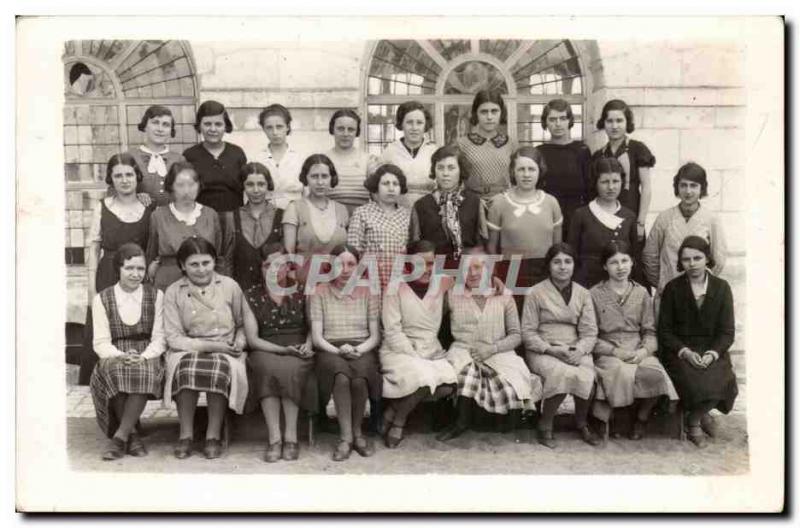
column 152, row 152
column 289, row 150
column 135, row 295
column 187, row 218
column 610, row 220
column 534, row 206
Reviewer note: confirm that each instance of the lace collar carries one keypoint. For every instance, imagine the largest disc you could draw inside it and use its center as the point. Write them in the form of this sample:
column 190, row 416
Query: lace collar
column 187, row 218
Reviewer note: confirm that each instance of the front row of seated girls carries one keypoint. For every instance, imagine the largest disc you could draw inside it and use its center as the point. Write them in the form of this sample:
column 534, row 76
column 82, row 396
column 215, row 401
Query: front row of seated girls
column 601, row 346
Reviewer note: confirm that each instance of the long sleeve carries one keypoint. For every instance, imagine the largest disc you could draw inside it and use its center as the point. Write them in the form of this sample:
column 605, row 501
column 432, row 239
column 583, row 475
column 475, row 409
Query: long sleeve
column 603, row 347
column 223, row 242
column 157, row 340
column 238, row 307
column 513, row 336
column 651, row 254
column 414, row 231
column 101, row 341
column 574, row 233
column 530, row 326
column 587, row 328
column 151, row 252
column 648, row 326
column 176, row 336
column 668, row 340
column 726, row 323
column 719, row 245
column 393, row 335
column 356, row 231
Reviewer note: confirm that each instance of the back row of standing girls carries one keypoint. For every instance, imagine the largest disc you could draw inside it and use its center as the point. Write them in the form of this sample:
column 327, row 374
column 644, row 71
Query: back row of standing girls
column 315, row 203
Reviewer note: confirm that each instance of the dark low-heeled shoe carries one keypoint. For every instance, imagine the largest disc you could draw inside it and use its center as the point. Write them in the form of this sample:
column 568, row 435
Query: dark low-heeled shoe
column 364, row 447
column 342, row 451
column 291, row 451
column 115, row 449
column 135, row 446
column 695, row 436
column 589, row 437
column 637, row 432
column 709, row 425
column 545, row 437
column 213, row 448
column 393, row 441
column 452, row 432
column 273, row 452
column 183, row 449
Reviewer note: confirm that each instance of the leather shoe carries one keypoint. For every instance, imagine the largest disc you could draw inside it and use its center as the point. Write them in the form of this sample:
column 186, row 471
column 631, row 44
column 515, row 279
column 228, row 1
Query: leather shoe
column 709, row 425
column 183, row 449
column 450, row 433
column 589, row 437
column 273, row 452
column 637, row 432
column 291, row 451
column 363, row 447
column 695, row 436
column 546, row 438
column 136, row 446
column 342, row 451
column 213, row 448
column 115, row 449
column 393, row 441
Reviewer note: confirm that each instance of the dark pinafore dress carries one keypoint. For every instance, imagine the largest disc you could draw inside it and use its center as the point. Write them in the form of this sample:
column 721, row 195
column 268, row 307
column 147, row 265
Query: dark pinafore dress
column 246, row 257
column 113, row 233
column 110, row 376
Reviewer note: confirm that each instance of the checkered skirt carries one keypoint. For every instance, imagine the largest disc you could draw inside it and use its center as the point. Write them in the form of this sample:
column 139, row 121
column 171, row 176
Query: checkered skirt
column 202, row 373
column 480, row 382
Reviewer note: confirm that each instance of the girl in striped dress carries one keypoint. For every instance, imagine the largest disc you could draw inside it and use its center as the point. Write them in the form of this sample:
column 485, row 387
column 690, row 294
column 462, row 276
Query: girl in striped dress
column 129, row 339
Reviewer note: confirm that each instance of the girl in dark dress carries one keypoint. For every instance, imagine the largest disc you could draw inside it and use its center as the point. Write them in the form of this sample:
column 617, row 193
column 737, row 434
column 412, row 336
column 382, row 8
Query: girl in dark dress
column 696, row 328
column 118, row 219
column 255, row 224
column 604, row 220
column 280, row 352
column 568, row 162
column 449, row 217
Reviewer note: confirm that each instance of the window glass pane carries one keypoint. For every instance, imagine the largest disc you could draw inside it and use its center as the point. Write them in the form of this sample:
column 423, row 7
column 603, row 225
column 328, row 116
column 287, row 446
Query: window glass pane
column 529, row 124
column 402, row 67
column 549, row 67
column 474, row 76
column 450, row 49
column 380, row 127
column 502, row 49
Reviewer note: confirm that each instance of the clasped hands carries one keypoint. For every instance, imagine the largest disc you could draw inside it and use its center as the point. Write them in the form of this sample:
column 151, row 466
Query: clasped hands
column 567, row 354
column 697, row 360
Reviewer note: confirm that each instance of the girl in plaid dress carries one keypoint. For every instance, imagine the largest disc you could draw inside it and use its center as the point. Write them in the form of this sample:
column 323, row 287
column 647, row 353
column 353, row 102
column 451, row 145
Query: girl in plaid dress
column 129, row 339
column 204, row 325
column 345, row 330
column 486, row 331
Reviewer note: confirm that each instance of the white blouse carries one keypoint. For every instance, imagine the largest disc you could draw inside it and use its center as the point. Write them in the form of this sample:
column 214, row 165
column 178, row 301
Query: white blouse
column 129, row 306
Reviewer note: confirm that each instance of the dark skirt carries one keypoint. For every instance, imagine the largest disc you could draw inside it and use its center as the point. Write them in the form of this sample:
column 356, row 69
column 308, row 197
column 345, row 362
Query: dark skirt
column 203, row 373
column 106, row 276
column 283, row 376
column 112, row 377
column 695, row 386
column 328, row 365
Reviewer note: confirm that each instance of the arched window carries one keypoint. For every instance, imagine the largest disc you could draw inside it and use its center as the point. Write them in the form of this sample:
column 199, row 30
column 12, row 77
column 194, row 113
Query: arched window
column 108, row 85
column 445, row 75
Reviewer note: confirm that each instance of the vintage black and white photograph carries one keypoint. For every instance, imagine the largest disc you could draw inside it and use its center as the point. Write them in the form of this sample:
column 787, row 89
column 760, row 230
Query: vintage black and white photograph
column 438, row 250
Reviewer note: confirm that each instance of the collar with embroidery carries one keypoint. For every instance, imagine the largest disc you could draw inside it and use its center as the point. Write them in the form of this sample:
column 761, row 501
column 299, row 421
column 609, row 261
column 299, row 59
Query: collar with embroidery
column 498, row 141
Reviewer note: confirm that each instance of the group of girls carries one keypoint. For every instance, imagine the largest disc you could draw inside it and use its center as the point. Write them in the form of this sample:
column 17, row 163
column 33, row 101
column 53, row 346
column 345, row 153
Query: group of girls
column 186, row 251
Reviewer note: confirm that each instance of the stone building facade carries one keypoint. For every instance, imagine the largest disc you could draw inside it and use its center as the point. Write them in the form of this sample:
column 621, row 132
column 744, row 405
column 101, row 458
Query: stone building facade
column 688, row 99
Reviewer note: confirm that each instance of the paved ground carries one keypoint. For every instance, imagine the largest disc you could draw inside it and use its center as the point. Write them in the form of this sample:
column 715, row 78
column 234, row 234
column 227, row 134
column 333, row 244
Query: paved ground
column 420, row 453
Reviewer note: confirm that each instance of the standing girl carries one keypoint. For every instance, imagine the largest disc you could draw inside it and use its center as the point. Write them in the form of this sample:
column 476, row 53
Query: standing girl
column 279, row 157
column 353, row 165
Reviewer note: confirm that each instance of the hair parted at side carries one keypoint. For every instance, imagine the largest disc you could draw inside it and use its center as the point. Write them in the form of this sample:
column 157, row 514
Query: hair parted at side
column 559, row 105
column 700, row 244
column 614, row 247
column 276, row 110
column 532, row 153
column 122, row 158
column 126, row 252
column 340, row 249
column 177, row 168
column 156, row 111
column 373, row 181
column 449, row 151
column 692, row 172
column 410, row 106
column 604, row 165
column 318, row 159
column 345, row 112
column 616, row 104
column 254, row 167
column 488, row 96
column 212, row 108
column 194, row 245
column 415, row 247
column 555, row 249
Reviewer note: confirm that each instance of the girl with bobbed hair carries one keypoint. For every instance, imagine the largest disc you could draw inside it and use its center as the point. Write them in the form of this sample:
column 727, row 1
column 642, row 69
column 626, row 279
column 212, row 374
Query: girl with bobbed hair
column 218, row 163
column 315, row 223
column 117, row 219
column 353, row 164
column 696, row 328
column 129, row 338
column 204, row 327
column 412, row 152
column 153, row 156
column 568, row 160
column 628, row 372
column 673, row 225
column 616, row 119
column 487, row 147
column 559, row 331
column 278, row 156
column 380, row 229
column 449, row 217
